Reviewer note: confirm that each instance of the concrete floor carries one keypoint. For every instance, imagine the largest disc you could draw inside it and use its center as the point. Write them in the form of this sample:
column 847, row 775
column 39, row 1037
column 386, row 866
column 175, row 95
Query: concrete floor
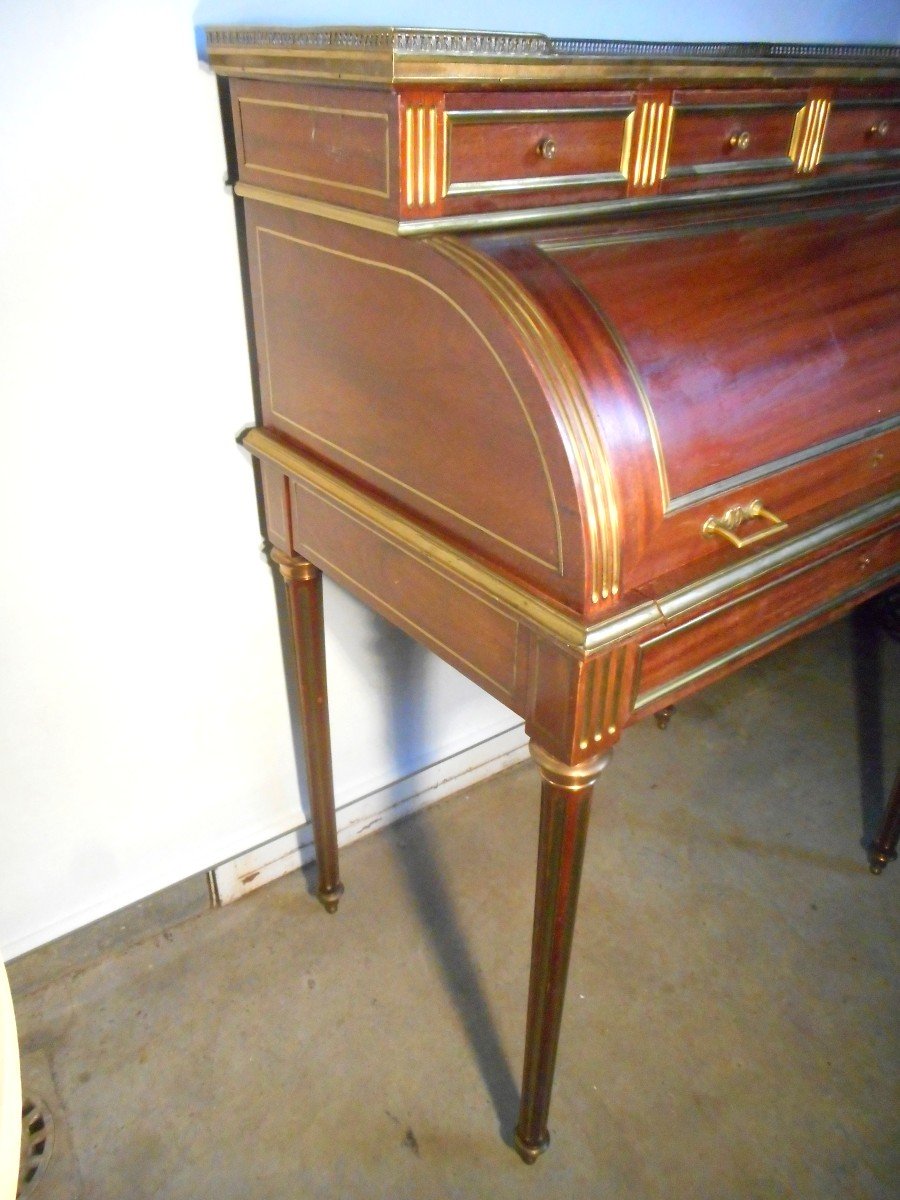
column 731, row 1025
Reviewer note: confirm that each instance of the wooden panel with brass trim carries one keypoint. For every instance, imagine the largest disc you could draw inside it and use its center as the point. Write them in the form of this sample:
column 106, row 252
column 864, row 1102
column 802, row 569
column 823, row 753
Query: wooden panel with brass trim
column 577, row 706
column 330, row 143
column 862, row 134
column 426, row 337
column 423, row 153
column 413, row 593
column 723, row 137
column 534, row 149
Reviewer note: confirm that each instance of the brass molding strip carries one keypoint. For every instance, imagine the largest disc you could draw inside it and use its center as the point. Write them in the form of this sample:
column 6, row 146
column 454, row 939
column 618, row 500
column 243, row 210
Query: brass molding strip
column 585, row 444
column 490, row 116
column 476, row 187
column 317, row 208
column 544, row 214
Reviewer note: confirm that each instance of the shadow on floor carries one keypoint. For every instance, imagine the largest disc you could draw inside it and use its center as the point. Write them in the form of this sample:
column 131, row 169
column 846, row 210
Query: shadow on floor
column 422, row 872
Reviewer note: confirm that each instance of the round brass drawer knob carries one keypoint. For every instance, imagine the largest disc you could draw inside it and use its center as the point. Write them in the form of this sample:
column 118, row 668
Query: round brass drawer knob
column 879, row 130
column 739, row 141
column 546, row 148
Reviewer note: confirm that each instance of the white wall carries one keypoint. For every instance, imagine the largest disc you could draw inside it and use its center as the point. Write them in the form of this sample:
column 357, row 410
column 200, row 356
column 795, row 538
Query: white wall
column 143, row 725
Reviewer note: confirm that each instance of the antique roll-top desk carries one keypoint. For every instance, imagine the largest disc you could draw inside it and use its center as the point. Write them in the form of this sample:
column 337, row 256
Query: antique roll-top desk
column 578, row 362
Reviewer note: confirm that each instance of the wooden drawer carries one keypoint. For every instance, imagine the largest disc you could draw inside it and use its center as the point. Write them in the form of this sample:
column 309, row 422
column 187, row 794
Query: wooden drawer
column 719, row 137
column 701, row 648
column 525, row 149
column 861, row 132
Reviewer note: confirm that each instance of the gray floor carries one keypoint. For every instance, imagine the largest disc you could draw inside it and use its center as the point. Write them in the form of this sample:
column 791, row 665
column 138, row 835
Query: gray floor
column 731, row 1024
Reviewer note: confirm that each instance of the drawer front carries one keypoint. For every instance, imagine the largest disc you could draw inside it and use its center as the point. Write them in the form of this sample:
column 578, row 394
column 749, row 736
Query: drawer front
column 685, row 658
column 861, row 132
column 713, row 138
column 504, row 151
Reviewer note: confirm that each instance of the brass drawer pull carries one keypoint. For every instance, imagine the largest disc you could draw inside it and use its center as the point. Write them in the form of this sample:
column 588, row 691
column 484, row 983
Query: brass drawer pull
column 879, row 130
column 739, row 141
column 546, row 148
column 730, row 521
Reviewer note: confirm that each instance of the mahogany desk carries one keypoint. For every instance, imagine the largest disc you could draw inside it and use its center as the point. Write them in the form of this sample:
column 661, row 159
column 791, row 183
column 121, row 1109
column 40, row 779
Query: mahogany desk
column 578, row 362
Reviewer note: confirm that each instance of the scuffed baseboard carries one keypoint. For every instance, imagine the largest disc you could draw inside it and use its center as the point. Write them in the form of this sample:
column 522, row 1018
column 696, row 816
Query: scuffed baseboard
column 231, row 880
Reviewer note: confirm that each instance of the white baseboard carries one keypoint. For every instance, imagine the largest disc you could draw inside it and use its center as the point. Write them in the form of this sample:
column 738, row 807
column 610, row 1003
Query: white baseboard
column 231, row 880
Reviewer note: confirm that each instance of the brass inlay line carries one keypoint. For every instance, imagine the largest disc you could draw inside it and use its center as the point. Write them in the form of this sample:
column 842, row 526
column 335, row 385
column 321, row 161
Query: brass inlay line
column 410, row 158
column 432, row 155
column 573, row 407
column 420, row 154
column 317, row 108
column 808, row 135
column 556, row 567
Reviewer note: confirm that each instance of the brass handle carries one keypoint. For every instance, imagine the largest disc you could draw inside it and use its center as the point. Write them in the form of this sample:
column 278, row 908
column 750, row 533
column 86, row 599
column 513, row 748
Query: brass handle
column 546, row 148
column 879, row 129
column 739, row 141
column 730, row 521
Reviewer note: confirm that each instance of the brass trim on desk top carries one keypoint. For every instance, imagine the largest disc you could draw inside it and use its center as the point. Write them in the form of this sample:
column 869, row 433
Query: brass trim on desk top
column 393, row 56
column 556, row 623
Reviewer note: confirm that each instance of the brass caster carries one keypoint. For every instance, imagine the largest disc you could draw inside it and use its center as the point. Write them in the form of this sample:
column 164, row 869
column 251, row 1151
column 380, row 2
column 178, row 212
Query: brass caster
column 329, row 900
column 530, row 1152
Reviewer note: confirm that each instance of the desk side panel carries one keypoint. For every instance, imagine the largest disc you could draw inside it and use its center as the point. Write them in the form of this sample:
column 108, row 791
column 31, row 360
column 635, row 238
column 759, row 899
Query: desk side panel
column 385, row 360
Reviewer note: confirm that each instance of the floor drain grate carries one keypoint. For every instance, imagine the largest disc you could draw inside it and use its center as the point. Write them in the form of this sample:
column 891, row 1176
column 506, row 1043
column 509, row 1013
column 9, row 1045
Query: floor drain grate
column 37, row 1145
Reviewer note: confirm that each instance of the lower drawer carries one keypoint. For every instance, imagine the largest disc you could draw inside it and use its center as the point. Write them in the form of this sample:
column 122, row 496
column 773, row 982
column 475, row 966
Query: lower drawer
column 690, row 655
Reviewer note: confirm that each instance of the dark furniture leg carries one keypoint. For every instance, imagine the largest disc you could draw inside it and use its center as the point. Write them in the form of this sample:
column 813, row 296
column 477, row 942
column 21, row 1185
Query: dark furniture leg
column 565, row 808
column 303, row 582
column 884, row 847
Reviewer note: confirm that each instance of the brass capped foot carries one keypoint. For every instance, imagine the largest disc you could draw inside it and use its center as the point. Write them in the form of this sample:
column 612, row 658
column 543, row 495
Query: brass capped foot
column 329, row 899
column 878, row 860
column 530, row 1152
column 664, row 716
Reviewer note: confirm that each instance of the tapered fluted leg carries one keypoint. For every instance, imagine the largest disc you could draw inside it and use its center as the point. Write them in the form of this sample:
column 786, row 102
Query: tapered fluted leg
column 884, row 847
column 565, row 808
column 303, row 581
